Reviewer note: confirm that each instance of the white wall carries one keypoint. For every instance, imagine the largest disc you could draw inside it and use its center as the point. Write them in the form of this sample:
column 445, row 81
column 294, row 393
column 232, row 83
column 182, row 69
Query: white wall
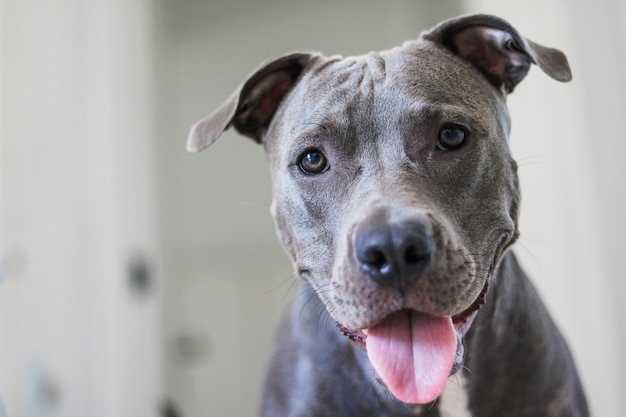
column 571, row 145
column 77, row 205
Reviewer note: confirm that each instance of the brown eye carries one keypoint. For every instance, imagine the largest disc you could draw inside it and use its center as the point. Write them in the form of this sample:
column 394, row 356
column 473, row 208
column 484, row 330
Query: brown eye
column 313, row 162
column 451, row 137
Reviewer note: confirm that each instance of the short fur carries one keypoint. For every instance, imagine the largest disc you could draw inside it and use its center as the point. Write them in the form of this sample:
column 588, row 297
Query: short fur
column 377, row 119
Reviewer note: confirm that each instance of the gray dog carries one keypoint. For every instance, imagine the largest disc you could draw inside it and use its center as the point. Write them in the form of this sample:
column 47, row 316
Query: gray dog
column 396, row 196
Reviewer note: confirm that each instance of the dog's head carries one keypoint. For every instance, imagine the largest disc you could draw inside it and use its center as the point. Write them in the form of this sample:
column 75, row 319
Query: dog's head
column 394, row 190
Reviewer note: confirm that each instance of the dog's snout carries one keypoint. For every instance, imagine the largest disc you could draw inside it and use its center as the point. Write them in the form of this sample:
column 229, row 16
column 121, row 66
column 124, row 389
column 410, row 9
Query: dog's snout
column 394, row 254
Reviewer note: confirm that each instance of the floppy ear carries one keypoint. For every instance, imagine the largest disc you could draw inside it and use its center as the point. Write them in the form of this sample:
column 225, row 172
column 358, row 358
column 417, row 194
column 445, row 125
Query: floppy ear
column 251, row 107
column 497, row 50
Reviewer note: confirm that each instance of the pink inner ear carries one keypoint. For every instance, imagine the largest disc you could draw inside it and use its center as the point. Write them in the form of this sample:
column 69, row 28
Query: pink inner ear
column 279, row 85
column 265, row 97
column 487, row 49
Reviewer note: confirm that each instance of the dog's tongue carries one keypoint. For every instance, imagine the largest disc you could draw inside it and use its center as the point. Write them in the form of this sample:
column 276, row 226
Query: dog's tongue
column 413, row 353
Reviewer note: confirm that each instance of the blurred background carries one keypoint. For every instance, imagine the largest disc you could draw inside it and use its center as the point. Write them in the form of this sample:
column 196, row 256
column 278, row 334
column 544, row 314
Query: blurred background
column 139, row 280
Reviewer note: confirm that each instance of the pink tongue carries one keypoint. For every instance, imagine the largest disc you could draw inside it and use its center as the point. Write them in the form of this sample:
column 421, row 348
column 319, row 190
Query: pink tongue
column 413, row 353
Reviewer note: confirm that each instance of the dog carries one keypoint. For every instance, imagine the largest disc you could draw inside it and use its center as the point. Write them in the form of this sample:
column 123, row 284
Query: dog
column 397, row 199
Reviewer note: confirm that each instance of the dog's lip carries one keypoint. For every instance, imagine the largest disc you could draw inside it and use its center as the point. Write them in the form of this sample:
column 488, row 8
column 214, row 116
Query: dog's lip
column 359, row 337
column 461, row 321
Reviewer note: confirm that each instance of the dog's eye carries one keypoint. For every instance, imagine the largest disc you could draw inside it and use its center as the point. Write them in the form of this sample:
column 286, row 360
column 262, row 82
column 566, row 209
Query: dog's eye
column 313, row 162
column 451, row 137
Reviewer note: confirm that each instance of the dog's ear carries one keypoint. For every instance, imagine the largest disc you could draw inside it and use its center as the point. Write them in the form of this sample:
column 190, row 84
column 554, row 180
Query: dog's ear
column 497, row 50
column 251, row 107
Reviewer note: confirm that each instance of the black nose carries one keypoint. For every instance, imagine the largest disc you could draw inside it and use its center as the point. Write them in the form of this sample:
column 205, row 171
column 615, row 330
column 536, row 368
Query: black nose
column 393, row 254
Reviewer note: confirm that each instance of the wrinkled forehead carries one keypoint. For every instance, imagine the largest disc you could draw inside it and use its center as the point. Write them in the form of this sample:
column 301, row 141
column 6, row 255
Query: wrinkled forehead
column 357, row 94
column 430, row 74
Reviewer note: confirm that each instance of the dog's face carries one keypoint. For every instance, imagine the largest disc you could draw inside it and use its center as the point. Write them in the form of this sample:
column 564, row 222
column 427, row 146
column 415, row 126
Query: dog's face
column 394, row 191
column 404, row 137
column 400, row 146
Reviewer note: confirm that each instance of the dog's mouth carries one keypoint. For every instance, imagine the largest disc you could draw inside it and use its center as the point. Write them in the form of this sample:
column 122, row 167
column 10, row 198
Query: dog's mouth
column 414, row 353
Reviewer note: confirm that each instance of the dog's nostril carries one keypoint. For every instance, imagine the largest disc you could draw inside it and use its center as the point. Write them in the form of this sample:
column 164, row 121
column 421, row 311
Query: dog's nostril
column 413, row 256
column 416, row 254
column 375, row 259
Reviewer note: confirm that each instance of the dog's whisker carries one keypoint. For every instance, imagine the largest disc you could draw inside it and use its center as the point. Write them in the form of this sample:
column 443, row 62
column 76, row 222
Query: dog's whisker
column 529, row 253
column 530, row 160
column 289, row 282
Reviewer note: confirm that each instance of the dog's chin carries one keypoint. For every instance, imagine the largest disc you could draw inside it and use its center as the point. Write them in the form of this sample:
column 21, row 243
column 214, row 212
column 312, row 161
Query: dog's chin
column 460, row 322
